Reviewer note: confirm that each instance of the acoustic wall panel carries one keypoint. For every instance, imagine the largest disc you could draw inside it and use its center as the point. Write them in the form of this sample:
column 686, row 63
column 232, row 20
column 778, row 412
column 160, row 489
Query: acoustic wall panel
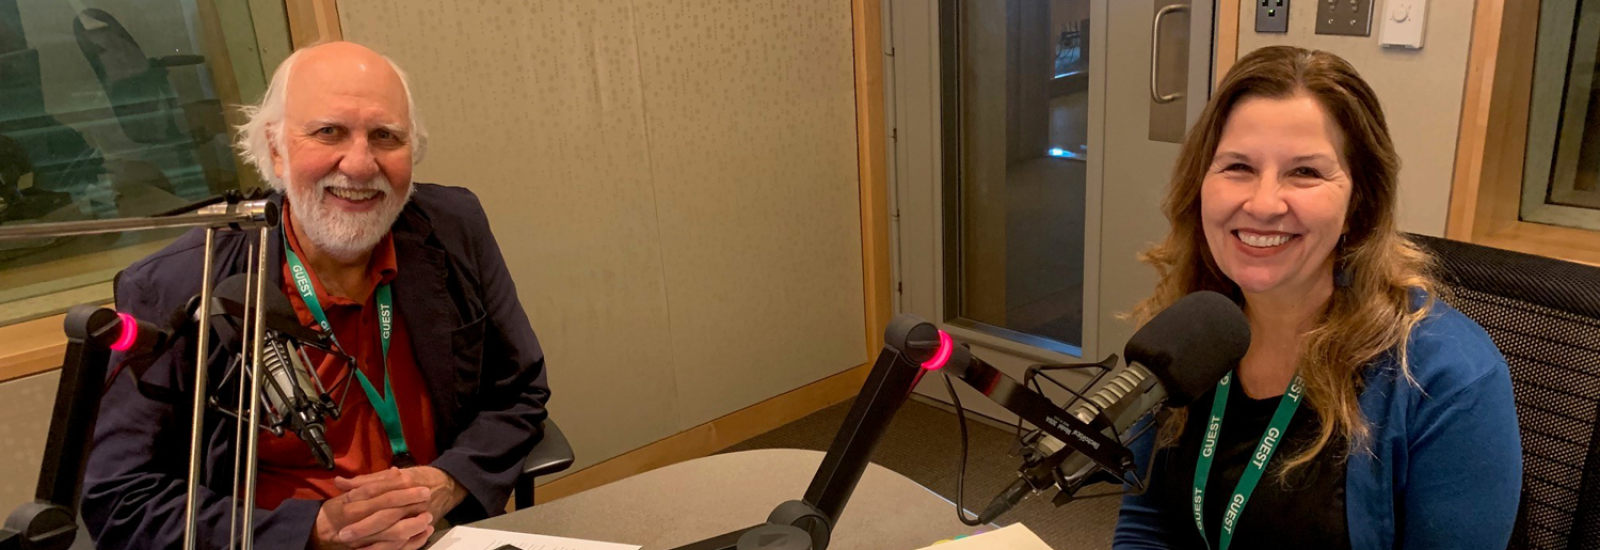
column 538, row 108
column 25, row 407
column 673, row 185
column 751, row 121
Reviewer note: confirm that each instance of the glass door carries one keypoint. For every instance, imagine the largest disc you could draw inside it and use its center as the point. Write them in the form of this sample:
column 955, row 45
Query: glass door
column 1032, row 141
column 1015, row 170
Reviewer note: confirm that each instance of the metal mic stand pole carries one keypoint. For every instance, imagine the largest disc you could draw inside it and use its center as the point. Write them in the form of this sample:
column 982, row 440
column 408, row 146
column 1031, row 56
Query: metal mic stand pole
column 230, row 197
column 244, row 214
column 67, row 449
column 259, row 328
column 198, row 410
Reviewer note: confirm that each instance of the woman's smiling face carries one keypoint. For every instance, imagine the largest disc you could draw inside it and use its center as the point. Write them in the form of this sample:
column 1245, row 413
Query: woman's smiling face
column 1274, row 200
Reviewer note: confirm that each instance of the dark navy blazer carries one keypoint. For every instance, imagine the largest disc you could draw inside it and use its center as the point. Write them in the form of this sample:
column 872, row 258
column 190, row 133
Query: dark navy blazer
column 477, row 352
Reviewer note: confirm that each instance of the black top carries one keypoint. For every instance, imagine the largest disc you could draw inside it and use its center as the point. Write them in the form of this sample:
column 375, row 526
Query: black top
column 1307, row 513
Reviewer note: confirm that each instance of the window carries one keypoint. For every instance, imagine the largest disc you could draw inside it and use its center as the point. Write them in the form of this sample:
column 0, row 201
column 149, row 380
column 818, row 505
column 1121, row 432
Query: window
column 1016, row 180
column 119, row 109
column 1561, row 183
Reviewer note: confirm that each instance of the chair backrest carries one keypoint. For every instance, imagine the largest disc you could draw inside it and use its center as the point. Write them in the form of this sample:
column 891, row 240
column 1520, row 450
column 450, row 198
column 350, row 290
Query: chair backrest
column 136, row 88
column 1544, row 315
column 108, row 46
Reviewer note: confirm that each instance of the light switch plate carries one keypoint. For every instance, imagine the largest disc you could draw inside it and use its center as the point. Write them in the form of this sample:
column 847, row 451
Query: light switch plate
column 1346, row 17
column 1272, row 15
column 1402, row 23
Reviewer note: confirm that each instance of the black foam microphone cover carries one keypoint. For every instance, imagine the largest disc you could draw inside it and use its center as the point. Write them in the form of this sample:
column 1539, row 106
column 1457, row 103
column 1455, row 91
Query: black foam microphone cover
column 280, row 316
column 1191, row 345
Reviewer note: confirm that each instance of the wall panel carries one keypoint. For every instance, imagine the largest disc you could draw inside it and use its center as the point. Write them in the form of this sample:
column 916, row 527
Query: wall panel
column 673, row 184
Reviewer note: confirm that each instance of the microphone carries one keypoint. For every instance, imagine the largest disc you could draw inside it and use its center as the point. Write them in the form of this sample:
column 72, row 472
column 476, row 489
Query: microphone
column 292, row 394
column 1171, row 361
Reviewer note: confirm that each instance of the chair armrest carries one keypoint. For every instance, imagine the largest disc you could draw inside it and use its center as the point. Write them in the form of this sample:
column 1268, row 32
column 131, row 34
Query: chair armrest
column 552, row 454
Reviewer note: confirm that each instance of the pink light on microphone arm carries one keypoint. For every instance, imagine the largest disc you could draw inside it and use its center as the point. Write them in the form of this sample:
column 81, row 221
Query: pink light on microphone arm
column 130, row 333
column 946, row 347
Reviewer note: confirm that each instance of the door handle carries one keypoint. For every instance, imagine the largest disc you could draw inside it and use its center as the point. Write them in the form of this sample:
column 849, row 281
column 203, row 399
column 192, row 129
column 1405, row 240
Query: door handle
column 1155, row 49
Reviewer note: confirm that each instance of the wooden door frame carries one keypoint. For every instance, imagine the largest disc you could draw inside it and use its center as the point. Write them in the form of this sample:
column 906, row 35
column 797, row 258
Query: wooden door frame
column 313, row 22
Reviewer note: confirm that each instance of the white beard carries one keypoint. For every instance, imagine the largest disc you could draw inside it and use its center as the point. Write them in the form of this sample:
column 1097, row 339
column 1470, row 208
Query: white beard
column 342, row 235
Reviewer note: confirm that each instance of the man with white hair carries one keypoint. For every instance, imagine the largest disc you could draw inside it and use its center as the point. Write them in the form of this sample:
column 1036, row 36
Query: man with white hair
column 411, row 285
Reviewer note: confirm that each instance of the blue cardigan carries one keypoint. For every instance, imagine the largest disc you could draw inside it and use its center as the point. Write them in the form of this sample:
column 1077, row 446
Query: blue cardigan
column 1445, row 467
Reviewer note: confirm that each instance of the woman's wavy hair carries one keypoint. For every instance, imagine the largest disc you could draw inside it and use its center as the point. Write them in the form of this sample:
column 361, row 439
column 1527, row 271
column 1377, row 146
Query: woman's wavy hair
column 1373, row 311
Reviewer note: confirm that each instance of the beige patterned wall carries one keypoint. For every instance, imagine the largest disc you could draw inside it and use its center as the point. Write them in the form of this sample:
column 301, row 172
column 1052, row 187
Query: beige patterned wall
column 1420, row 90
column 673, row 184
column 25, row 406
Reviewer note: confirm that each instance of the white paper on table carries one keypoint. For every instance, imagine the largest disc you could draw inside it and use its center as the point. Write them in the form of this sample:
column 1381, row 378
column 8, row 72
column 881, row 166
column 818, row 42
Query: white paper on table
column 1011, row 537
column 472, row 538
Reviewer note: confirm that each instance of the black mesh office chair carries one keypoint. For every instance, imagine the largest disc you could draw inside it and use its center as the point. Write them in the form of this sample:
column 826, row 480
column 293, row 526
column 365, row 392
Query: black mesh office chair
column 1544, row 315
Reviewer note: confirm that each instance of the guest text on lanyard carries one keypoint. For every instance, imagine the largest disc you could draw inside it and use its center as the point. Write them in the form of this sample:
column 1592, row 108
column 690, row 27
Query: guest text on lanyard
column 1252, row 471
column 385, row 404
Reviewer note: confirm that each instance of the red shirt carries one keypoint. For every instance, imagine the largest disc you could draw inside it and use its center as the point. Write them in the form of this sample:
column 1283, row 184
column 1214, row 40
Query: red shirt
column 285, row 467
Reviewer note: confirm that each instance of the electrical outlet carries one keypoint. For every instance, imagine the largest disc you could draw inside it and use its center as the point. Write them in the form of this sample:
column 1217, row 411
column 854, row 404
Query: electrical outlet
column 1346, row 17
column 1272, row 15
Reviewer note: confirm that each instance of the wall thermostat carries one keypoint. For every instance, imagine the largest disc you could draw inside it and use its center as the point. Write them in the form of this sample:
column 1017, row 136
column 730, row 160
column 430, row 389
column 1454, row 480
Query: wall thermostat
column 1403, row 23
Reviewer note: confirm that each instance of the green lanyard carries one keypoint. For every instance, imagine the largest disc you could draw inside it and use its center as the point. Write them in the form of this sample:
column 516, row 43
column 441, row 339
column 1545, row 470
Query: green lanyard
column 385, row 405
column 1258, row 463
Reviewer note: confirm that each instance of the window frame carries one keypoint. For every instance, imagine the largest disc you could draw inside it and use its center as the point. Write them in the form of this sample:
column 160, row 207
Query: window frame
column 1485, row 201
column 34, row 340
column 1558, row 113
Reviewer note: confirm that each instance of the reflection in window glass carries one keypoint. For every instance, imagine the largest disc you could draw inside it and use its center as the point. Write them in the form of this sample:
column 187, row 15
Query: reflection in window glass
column 1023, row 85
column 105, row 111
column 1562, row 180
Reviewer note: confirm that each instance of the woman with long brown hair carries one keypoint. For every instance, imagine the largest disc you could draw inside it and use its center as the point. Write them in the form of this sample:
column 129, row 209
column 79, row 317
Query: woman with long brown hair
column 1366, row 414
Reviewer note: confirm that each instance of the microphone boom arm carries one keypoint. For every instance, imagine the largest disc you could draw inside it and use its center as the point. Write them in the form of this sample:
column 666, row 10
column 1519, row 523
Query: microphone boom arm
column 50, row 521
column 912, row 347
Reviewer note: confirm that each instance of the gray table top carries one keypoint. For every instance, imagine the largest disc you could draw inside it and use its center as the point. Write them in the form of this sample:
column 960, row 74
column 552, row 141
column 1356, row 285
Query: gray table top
column 695, row 500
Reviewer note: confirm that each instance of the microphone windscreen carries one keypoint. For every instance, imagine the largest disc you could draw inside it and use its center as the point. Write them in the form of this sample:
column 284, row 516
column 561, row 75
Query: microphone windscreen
column 235, row 289
column 233, row 292
column 1191, row 345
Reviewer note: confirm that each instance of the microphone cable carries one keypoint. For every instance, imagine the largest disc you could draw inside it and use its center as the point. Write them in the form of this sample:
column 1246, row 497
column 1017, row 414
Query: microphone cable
column 120, row 366
column 961, row 470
